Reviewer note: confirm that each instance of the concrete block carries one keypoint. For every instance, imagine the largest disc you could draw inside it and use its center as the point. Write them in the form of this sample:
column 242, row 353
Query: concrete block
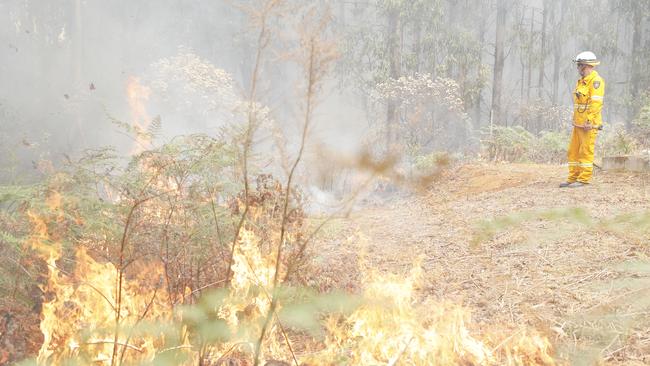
column 627, row 163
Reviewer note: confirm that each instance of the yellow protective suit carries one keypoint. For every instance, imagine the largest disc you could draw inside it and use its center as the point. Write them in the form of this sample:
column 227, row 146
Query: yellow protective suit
column 587, row 104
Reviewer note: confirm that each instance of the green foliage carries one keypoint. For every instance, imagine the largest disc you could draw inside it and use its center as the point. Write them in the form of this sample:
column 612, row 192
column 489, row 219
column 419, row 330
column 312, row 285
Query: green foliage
column 641, row 123
column 550, row 147
column 430, row 163
column 12, row 194
column 616, row 140
column 16, row 280
column 176, row 206
column 443, row 54
column 643, row 120
column 168, row 204
column 538, row 116
column 10, row 240
column 516, row 144
column 507, row 143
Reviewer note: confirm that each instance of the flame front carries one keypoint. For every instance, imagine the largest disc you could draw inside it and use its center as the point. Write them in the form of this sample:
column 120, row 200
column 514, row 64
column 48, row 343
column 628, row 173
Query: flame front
column 79, row 318
column 249, row 300
column 392, row 328
column 82, row 321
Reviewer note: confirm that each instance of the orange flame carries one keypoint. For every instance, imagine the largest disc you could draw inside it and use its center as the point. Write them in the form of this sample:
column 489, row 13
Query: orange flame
column 137, row 96
column 251, row 288
column 79, row 317
column 392, row 328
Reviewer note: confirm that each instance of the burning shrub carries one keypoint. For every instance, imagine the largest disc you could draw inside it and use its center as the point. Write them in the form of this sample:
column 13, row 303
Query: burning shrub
column 125, row 246
column 113, row 300
column 122, row 245
column 265, row 204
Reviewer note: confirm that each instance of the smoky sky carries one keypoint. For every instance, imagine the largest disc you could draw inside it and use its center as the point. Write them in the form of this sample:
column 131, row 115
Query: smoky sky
column 65, row 66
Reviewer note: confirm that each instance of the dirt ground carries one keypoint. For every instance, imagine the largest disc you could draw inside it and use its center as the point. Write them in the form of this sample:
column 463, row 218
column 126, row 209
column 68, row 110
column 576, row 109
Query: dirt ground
column 505, row 241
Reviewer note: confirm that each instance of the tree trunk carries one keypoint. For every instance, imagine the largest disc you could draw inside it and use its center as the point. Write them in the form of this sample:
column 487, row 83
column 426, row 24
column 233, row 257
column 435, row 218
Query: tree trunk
column 482, row 30
column 557, row 49
column 634, row 66
column 394, row 64
column 417, row 46
column 531, row 56
column 499, row 60
column 542, row 51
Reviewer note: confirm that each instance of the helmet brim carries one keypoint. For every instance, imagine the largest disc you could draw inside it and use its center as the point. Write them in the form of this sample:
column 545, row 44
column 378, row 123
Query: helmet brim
column 590, row 63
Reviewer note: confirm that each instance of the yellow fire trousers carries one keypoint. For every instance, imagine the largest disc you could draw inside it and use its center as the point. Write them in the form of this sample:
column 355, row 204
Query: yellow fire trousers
column 581, row 155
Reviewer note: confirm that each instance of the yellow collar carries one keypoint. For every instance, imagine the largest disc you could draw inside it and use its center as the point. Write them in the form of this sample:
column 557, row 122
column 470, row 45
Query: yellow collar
column 590, row 77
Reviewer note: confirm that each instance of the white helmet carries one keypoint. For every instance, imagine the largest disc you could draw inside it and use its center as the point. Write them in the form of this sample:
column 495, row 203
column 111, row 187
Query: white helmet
column 587, row 58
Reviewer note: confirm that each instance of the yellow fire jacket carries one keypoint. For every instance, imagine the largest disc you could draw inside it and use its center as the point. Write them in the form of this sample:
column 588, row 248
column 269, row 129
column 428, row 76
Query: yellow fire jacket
column 588, row 100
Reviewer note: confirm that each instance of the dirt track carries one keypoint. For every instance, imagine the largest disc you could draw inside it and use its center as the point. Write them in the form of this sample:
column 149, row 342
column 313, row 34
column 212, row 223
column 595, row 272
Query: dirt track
column 581, row 278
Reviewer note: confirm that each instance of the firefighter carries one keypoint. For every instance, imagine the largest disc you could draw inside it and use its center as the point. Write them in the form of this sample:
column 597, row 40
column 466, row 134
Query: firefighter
column 587, row 120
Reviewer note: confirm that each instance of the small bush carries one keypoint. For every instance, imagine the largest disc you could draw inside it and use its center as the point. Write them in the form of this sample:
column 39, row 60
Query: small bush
column 507, row 143
column 550, row 147
column 618, row 141
column 641, row 125
column 516, row 144
column 539, row 116
column 429, row 163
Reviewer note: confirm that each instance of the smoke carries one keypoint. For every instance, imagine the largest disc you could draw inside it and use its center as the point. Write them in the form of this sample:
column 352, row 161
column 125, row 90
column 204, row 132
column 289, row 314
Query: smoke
column 65, row 69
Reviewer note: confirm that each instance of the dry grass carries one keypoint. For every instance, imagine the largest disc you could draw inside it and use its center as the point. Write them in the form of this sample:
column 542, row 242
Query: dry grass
column 583, row 281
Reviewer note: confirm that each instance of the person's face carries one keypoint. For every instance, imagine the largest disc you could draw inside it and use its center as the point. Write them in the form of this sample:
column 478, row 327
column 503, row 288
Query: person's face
column 584, row 69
